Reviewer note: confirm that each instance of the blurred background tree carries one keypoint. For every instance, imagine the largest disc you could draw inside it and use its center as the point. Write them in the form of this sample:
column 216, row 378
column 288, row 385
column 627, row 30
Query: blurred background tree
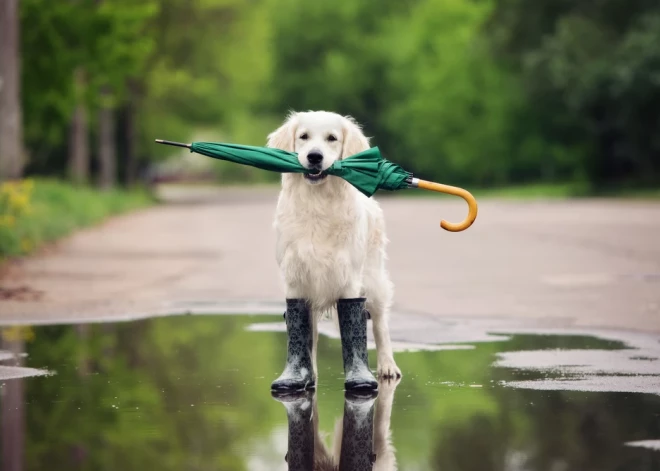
column 590, row 72
column 479, row 92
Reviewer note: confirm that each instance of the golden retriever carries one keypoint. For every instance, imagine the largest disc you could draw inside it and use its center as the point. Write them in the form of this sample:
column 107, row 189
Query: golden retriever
column 330, row 237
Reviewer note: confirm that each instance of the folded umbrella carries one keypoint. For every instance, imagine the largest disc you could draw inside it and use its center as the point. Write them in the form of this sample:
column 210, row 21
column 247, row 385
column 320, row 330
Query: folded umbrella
column 367, row 171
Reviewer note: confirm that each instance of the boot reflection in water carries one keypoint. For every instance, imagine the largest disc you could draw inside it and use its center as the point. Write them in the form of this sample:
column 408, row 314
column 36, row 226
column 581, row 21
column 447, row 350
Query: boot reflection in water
column 299, row 408
column 362, row 438
column 357, row 451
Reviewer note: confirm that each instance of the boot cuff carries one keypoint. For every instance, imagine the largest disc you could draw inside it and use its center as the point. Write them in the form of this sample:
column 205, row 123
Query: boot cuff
column 351, row 300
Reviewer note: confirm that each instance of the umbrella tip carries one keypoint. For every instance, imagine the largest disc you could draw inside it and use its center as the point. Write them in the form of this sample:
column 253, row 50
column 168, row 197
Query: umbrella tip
column 172, row 143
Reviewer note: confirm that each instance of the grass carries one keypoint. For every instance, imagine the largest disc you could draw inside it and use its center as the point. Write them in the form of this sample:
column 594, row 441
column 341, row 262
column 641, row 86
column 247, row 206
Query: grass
column 34, row 212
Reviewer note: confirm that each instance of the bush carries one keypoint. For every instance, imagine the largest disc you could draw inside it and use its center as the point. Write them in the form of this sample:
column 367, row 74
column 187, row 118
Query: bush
column 33, row 212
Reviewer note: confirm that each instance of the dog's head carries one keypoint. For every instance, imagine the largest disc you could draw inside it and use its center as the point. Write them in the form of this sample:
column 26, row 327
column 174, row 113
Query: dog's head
column 320, row 138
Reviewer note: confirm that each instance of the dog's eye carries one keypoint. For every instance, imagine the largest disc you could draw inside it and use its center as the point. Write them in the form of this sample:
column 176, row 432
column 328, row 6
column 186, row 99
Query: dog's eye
column 304, row 136
column 332, row 138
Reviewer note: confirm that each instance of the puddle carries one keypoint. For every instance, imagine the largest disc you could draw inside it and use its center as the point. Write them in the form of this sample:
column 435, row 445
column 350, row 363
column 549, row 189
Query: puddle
column 192, row 392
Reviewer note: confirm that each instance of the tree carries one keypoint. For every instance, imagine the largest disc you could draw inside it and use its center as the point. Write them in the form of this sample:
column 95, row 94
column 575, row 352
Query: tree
column 416, row 75
column 589, row 72
column 107, row 150
column 79, row 134
column 11, row 118
column 74, row 50
column 454, row 106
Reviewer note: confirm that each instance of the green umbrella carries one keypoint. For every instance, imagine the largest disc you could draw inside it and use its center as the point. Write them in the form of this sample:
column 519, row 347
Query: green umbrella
column 367, row 171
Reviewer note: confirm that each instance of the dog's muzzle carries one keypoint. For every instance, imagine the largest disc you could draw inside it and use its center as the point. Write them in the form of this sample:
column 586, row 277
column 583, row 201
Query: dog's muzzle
column 315, row 159
column 315, row 177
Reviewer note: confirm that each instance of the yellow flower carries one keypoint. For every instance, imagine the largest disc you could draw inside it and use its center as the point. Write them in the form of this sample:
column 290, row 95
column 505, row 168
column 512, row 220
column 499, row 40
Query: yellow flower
column 26, row 245
column 19, row 201
column 28, row 184
column 15, row 197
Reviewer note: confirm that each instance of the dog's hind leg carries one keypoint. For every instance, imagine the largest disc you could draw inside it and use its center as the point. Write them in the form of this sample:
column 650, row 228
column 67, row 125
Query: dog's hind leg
column 383, row 447
column 379, row 293
column 387, row 367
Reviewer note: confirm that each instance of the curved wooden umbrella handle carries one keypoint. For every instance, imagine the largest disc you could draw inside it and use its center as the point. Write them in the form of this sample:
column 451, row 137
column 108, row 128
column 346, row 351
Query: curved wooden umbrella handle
column 451, row 190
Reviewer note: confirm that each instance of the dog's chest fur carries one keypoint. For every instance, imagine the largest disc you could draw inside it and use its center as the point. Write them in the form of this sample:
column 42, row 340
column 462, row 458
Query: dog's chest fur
column 321, row 242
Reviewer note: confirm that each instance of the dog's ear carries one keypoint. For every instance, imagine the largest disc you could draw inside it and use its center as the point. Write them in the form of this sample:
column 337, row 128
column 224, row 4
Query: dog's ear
column 283, row 137
column 354, row 140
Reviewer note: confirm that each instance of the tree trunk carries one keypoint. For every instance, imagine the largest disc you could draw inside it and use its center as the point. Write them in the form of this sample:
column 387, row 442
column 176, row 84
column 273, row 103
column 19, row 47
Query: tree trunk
column 107, row 142
column 12, row 414
column 11, row 124
column 79, row 137
column 130, row 135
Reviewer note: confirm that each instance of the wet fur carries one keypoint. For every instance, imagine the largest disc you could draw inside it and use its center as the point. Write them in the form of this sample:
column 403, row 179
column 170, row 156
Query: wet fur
column 330, row 237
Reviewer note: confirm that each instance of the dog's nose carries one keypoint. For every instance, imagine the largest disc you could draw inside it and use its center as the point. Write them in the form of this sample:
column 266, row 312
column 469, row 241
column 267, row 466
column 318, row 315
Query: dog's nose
column 314, row 157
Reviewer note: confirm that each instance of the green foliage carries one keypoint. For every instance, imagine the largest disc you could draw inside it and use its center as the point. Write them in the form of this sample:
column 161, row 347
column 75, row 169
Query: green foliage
column 105, row 41
column 207, row 71
column 418, row 75
column 486, row 92
column 592, row 72
column 32, row 213
column 454, row 115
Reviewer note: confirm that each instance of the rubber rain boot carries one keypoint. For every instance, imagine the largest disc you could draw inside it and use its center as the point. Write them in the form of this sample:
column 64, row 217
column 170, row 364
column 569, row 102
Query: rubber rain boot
column 353, row 329
column 357, row 440
column 299, row 408
column 298, row 372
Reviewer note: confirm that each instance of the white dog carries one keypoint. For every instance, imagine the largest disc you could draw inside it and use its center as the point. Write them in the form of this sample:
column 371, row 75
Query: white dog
column 330, row 237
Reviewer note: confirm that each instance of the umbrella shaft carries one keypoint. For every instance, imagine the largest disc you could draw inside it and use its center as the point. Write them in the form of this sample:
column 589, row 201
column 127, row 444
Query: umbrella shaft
column 172, row 143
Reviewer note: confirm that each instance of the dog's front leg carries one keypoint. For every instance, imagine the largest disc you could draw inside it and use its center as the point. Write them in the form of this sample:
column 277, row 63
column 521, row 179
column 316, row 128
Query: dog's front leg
column 299, row 369
column 352, row 317
column 314, row 316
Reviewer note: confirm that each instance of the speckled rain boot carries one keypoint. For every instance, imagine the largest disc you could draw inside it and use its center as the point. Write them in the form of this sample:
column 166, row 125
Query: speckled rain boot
column 299, row 408
column 353, row 329
column 357, row 442
column 298, row 372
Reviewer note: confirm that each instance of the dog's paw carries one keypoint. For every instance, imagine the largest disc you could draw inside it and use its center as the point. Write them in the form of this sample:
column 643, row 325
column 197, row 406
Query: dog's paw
column 387, row 368
column 387, row 386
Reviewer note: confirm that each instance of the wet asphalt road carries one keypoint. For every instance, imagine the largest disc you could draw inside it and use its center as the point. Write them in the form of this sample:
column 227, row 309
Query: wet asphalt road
column 583, row 263
column 529, row 342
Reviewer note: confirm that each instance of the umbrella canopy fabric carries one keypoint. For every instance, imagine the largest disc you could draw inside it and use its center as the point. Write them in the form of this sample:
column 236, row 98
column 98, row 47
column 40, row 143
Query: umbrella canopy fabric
column 367, row 171
column 265, row 158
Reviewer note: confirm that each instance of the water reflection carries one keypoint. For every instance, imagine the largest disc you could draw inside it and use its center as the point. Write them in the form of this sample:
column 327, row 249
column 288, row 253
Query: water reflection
column 362, row 439
column 194, row 393
column 12, row 406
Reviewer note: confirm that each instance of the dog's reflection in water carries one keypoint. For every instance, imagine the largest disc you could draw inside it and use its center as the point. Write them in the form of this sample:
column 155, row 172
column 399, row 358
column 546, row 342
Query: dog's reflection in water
column 362, row 440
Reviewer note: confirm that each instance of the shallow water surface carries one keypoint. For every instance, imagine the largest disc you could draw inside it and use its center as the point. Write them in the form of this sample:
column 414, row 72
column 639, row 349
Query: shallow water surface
column 193, row 393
